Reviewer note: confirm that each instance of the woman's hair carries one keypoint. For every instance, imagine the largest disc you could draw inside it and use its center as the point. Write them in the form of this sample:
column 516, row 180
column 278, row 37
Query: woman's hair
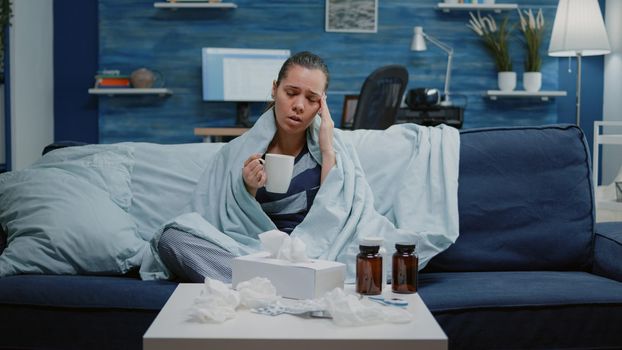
column 304, row 59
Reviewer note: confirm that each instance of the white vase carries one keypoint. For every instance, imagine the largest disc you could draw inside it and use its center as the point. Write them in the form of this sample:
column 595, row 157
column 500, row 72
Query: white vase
column 506, row 80
column 532, row 81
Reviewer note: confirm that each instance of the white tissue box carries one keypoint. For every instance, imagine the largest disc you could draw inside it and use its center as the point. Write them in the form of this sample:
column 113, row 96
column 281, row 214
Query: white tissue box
column 307, row 280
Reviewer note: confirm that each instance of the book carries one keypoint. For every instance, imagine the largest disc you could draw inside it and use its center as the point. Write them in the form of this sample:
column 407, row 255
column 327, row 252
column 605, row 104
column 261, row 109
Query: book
column 112, row 81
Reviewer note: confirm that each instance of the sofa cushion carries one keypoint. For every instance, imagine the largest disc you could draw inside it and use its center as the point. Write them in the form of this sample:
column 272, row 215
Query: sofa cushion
column 608, row 250
column 446, row 291
column 526, row 309
column 525, row 201
column 78, row 312
column 87, row 292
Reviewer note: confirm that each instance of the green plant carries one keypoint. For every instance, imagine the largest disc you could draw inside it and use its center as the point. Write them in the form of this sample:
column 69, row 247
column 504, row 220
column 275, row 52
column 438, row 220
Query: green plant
column 533, row 30
column 495, row 39
column 5, row 21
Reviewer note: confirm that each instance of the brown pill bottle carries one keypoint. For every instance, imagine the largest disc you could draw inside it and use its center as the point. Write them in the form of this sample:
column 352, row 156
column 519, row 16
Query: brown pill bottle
column 405, row 269
column 369, row 268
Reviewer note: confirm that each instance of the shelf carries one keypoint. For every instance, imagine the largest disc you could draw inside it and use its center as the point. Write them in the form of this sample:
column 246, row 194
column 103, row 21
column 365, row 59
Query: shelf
column 130, row 91
column 497, row 8
column 543, row 95
column 191, row 4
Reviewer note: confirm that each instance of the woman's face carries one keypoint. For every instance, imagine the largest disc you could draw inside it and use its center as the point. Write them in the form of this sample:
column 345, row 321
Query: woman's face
column 297, row 98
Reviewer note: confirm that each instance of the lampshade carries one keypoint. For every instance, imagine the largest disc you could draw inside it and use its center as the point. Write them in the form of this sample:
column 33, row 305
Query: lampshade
column 578, row 29
column 418, row 43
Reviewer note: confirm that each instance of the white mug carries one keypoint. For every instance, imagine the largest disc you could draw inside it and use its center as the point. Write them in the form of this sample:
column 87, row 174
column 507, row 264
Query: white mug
column 279, row 170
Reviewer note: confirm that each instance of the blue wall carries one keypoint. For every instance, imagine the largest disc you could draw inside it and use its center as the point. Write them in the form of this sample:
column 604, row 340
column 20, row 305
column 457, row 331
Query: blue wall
column 133, row 34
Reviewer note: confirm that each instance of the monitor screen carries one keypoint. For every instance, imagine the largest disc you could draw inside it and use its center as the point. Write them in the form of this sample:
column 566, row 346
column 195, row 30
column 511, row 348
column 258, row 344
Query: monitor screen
column 242, row 75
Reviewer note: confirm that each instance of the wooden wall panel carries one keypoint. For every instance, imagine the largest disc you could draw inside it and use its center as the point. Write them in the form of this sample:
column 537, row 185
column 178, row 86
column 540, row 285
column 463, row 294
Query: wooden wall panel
column 134, row 34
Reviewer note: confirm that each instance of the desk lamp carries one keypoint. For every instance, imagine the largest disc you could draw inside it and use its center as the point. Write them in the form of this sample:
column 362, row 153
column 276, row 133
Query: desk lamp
column 418, row 44
column 578, row 30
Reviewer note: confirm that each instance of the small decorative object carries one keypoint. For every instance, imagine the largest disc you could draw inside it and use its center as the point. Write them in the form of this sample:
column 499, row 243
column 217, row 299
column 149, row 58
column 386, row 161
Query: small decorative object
column 495, row 39
column 532, row 81
column 144, row 78
column 506, row 81
column 360, row 16
column 533, row 30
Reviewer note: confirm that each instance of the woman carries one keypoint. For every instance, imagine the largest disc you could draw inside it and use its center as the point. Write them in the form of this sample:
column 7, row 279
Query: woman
column 299, row 95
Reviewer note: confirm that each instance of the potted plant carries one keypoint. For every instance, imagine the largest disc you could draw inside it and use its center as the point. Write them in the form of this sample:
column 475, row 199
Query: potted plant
column 495, row 39
column 533, row 29
column 5, row 18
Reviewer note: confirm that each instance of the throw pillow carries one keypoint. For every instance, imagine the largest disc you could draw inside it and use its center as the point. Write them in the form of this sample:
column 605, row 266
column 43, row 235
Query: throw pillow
column 58, row 223
column 108, row 167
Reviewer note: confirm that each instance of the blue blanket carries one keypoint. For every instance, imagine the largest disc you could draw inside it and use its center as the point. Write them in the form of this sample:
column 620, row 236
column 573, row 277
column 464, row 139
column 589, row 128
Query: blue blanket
column 400, row 184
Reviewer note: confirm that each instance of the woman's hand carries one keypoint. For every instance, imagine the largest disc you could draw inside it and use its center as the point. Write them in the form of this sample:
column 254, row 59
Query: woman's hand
column 326, row 129
column 254, row 174
column 326, row 138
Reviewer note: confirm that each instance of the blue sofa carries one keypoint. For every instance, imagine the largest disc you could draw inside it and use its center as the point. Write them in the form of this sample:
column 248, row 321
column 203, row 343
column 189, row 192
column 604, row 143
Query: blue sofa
column 530, row 269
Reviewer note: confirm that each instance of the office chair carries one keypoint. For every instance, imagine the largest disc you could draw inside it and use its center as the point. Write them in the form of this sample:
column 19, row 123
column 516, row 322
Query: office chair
column 380, row 98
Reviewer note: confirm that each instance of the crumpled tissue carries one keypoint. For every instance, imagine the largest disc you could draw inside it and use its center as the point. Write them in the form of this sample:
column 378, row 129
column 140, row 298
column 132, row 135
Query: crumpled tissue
column 349, row 310
column 281, row 246
column 257, row 292
column 218, row 302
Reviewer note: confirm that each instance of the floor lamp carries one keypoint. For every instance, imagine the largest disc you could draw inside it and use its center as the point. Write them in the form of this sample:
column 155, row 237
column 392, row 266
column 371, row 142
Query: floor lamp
column 578, row 30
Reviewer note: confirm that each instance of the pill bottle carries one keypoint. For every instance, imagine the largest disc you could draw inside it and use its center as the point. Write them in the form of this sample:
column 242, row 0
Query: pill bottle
column 405, row 269
column 369, row 267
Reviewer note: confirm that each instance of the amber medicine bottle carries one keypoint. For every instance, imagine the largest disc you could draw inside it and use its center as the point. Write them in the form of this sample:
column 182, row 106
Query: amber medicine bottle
column 369, row 268
column 405, row 269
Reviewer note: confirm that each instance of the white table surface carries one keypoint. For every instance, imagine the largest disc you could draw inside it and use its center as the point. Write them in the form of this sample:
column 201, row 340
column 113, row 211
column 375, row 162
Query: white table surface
column 173, row 330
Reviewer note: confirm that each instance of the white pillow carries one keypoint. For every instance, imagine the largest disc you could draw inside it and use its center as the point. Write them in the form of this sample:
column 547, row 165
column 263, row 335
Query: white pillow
column 58, row 223
column 108, row 167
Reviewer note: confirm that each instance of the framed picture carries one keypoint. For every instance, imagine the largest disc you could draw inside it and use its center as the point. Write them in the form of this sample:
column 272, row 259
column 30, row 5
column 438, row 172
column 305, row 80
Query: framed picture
column 353, row 16
column 349, row 107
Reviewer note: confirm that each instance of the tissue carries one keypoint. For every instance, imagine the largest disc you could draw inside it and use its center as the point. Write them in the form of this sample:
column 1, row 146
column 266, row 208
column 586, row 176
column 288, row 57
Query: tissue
column 281, row 246
column 348, row 310
column 218, row 302
column 257, row 292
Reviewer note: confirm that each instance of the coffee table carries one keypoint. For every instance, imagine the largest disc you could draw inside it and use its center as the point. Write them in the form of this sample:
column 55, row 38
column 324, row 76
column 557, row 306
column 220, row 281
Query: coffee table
column 172, row 330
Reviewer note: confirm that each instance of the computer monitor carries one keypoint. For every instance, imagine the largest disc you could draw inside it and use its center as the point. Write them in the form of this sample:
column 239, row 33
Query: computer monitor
column 240, row 75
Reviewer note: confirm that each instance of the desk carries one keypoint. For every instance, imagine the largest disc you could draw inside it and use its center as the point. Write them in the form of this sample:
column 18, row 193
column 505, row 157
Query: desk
column 432, row 116
column 216, row 134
